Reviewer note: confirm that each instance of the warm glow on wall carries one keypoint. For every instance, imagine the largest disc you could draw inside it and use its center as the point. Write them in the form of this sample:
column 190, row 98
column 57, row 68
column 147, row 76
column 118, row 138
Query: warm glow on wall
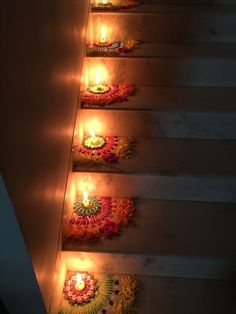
column 80, row 260
column 85, row 187
column 72, row 192
column 90, row 31
column 93, row 127
column 85, row 78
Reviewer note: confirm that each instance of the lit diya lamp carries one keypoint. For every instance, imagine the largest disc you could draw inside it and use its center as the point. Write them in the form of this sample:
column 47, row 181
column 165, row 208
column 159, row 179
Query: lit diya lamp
column 104, row 3
column 94, row 141
column 85, row 201
column 80, row 288
column 98, row 87
column 80, row 284
column 86, row 207
column 104, row 45
column 103, row 38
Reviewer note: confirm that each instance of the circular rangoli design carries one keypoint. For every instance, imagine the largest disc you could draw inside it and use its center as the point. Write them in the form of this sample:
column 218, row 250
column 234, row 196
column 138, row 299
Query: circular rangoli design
column 82, row 292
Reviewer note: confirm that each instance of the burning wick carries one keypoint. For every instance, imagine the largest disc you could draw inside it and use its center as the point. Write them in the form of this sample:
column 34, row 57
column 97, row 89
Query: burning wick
column 103, row 39
column 98, row 83
column 80, row 284
column 94, row 138
column 86, row 202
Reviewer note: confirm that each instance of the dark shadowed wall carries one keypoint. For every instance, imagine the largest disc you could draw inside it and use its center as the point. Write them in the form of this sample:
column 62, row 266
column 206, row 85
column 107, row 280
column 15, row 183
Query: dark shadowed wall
column 42, row 50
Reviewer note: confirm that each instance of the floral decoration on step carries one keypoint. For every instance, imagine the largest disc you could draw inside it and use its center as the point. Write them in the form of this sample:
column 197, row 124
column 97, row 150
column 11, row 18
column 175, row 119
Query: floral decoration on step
column 104, row 218
column 112, row 49
column 114, row 4
column 113, row 93
column 87, row 293
column 100, row 150
column 82, row 290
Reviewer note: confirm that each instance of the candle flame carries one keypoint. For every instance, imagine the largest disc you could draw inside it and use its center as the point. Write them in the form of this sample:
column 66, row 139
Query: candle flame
column 85, row 196
column 93, row 127
column 92, row 133
column 103, row 34
column 98, row 75
column 79, row 278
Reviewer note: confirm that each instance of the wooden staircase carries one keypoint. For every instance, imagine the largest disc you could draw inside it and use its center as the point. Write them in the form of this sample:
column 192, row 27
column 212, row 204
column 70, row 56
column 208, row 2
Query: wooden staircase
column 183, row 172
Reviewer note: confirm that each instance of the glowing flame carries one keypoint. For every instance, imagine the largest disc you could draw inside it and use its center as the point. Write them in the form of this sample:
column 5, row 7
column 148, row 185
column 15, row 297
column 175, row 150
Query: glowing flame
column 85, row 196
column 93, row 127
column 103, row 38
column 80, row 284
column 79, row 278
column 86, row 199
column 95, row 75
column 102, row 1
column 98, row 75
column 86, row 185
column 92, row 133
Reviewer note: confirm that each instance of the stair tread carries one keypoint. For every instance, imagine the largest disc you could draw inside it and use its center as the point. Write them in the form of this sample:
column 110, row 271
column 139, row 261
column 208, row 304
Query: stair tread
column 177, row 295
column 178, row 227
column 183, row 50
column 195, row 9
column 179, row 98
column 176, row 157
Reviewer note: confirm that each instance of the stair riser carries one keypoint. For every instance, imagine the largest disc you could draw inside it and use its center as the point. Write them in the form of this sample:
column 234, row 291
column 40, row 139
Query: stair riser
column 163, row 124
column 185, row 267
column 168, row 72
column 188, row 188
column 167, row 27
